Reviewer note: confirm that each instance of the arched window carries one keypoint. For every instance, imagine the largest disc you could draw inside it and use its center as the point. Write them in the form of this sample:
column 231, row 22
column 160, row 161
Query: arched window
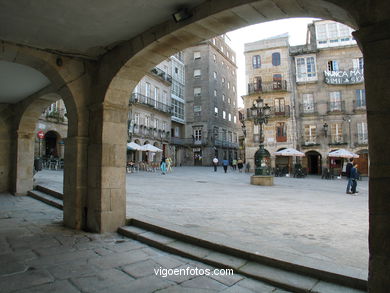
column 256, row 61
column 276, row 59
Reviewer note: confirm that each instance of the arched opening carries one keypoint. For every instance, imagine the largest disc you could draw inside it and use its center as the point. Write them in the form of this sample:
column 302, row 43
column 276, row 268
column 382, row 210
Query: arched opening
column 52, row 144
column 312, row 162
column 363, row 162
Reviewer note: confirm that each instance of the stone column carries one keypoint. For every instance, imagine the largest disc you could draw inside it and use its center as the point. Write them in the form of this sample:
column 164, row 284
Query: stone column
column 106, row 205
column 75, row 182
column 24, row 163
column 375, row 43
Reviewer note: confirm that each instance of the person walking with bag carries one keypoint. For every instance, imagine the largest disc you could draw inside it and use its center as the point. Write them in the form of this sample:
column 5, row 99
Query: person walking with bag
column 225, row 164
column 355, row 177
column 163, row 166
column 348, row 174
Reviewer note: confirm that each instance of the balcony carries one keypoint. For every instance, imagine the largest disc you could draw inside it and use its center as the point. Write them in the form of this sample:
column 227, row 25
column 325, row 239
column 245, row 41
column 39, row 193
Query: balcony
column 335, row 140
column 351, row 76
column 141, row 99
column 276, row 112
column 276, row 86
column 336, row 107
column 150, row 132
column 309, row 142
column 225, row 144
column 161, row 74
column 308, row 109
column 359, row 106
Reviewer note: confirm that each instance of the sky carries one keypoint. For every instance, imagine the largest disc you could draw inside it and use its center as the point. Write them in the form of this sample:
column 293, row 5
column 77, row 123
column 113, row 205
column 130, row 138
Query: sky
column 295, row 27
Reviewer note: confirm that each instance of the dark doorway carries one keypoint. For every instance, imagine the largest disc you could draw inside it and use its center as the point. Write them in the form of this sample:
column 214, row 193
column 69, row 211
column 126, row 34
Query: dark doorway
column 51, row 140
column 313, row 163
column 198, row 157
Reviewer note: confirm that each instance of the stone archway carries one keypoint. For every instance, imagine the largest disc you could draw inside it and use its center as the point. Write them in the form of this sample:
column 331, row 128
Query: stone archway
column 313, row 162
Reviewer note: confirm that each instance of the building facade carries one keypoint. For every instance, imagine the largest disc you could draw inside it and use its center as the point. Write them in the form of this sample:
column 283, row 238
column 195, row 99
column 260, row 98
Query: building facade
column 318, row 106
column 211, row 101
column 269, row 76
column 150, row 113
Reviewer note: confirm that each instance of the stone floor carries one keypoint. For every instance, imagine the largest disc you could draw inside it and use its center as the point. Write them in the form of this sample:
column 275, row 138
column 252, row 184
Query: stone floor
column 310, row 218
column 38, row 254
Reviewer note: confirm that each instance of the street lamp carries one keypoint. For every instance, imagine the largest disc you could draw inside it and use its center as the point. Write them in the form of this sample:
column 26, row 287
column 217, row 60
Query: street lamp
column 325, row 129
column 260, row 114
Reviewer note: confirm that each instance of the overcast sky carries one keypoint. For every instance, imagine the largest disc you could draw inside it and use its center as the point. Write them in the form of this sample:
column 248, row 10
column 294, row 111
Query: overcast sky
column 295, row 27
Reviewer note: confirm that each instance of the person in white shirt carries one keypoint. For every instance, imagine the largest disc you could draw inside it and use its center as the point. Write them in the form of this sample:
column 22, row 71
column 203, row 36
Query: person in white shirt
column 215, row 163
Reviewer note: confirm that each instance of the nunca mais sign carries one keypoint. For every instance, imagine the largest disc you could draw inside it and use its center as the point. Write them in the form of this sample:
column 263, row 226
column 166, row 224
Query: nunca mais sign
column 352, row 76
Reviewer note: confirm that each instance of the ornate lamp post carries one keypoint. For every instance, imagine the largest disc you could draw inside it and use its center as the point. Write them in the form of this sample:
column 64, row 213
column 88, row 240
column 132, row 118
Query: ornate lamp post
column 260, row 114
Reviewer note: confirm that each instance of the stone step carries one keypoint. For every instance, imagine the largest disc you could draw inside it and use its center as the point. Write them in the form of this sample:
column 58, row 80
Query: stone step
column 51, row 192
column 47, row 198
column 288, row 276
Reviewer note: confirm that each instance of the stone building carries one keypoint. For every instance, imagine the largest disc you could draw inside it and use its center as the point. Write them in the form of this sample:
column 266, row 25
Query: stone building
column 211, row 101
column 150, row 113
column 53, row 124
column 330, row 94
column 268, row 76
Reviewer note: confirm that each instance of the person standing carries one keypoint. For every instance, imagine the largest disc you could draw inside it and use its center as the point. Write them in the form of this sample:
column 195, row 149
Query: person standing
column 240, row 165
column 225, row 164
column 234, row 164
column 169, row 164
column 355, row 177
column 348, row 174
column 163, row 166
column 215, row 163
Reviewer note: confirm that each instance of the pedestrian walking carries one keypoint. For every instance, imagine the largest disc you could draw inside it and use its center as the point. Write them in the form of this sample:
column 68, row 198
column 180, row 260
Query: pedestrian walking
column 163, row 166
column 234, row 164
column 355, row 177
column 225, row 164
column 240, row 165
column 215, row 163
column 348, row 174
column 169, row 164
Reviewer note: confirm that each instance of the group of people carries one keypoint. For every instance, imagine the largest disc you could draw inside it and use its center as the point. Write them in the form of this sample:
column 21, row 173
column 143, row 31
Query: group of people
column 166, row 165
column 352, row 176
column 225, row 164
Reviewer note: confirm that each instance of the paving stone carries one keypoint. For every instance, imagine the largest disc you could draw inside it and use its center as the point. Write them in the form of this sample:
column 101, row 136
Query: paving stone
column 63, row 286
column 228, row 280
column 8, row 268
column 24, row 280
column 204, row 282
column 102, row 251
column 182, row 276
column 144, row 285
column 73, row 270
column 142, row 268
column 54, row 250
column 168, row 262
column 237, row 289
column 125, row 246
column 158, row 237
column 119, row 259
column 181, row 289
column 104, row 281
column 255, row 286
column 191, row 249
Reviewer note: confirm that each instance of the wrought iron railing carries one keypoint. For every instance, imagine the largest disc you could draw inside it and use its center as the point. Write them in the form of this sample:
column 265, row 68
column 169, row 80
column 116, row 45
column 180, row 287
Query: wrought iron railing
column 138, row 98
column 161, row 74
column 336, row 107
column 274, row 86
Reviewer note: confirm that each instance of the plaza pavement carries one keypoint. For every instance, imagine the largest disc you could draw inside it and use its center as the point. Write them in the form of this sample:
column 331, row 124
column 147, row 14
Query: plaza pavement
column 309, row 219
column 38, row 254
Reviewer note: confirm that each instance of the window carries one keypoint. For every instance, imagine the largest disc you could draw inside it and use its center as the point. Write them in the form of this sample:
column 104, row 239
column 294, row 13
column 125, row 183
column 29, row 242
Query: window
column 228, row 85
column 234, row 89
column 361, row 98
column 222, row 49
column 164, row 126
column 224, row 134
column 276, row 59
column 256, row 62
column 216, row 132
column 277, row 81
column 306, row 68
column 177, row 131
column 156, row 96
column 358, row 63
column 197, row 108
column 281, row 132
column 362, row 133
column 230, row 136
column 233, row 59
column 223, row 114
column 335, row 101
column 215, row 111
column 333, row 65
column 147, row 89
column 223, row 97
column 229, row 100
column 176, row 70
column 215, row 93
column 230, row 117
column 196, row 55
column 214, row 58
column 147, row 121
column 235, row 119
column 279, row 105
column 178, row 109
column 197, row 134
column 177, row 89
column 336, row 133
column 215, row 75
column 197, row 91
column 165, row 98
column 333, row 34
column 310, row 134
column 308, row 103
column 223, row 80
column 156, row 124
column 197, row 73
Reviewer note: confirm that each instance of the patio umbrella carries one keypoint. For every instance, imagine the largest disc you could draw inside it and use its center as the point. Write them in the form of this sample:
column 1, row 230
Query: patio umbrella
column 150, row 148
column 132, row 146
column 342, row 153
column 290, row 152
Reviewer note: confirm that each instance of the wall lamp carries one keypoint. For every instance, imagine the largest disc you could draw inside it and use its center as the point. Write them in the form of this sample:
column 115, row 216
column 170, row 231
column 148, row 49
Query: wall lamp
column 181, row 15
column 325, row 129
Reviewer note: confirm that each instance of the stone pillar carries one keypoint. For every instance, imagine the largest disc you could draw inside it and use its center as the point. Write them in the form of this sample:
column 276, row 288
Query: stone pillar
column 375, row 43
column 24, row 163
column 75, row 182
column 106, row 205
